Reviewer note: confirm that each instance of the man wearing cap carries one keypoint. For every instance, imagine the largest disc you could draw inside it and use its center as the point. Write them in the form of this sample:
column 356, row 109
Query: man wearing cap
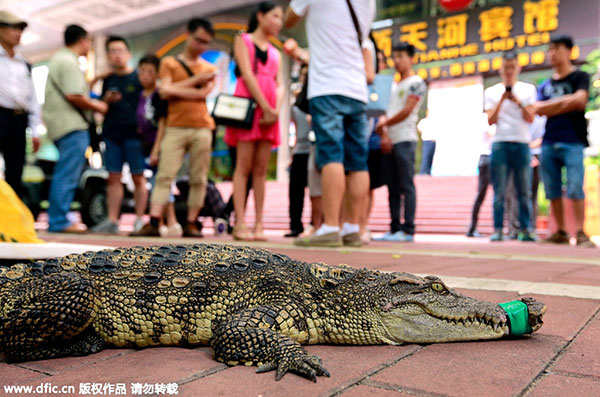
column 18, row 104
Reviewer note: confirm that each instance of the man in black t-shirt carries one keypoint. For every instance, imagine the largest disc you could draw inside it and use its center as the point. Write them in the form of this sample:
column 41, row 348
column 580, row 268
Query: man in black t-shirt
column 563, row 99
column 121, row 90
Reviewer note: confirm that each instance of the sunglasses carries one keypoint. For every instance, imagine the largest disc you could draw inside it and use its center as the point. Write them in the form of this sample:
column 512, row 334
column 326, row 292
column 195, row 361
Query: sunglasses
column 20, row 26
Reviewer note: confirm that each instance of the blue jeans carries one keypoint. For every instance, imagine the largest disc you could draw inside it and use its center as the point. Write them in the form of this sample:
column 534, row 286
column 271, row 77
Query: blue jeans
column 68, row 169
column 507, row 157
column 554, row 157
column 341, row 129
column 427, row 152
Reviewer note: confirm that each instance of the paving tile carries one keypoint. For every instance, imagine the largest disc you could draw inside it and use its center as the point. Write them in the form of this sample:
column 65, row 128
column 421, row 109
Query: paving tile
column 583, row 355
column 494, row 368
column 561, row 386
column 347, row 364
column 58, row 365
column 368, row 391
column 539, row 271
column 15, row 375
column 153, row 365
column 585, row 275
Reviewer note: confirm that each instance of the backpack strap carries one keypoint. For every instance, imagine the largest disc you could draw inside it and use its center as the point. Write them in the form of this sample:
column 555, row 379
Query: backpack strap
column 186, row 67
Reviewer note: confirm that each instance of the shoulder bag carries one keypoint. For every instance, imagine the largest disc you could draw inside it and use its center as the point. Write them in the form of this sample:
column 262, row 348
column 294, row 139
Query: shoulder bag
column 95, row 139
column 235, row 111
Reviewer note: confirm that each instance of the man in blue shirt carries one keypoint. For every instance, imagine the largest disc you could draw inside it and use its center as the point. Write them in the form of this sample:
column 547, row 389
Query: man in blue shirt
column 563, row 99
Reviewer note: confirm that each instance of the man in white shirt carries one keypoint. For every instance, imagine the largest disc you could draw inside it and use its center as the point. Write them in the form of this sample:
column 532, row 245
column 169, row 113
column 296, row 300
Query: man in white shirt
column 19, row 107
column 508, row 104
column 398, row 131
column 337, row 93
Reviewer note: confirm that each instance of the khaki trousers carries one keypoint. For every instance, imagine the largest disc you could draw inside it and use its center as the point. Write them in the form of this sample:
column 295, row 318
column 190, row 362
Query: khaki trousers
column 176, row 143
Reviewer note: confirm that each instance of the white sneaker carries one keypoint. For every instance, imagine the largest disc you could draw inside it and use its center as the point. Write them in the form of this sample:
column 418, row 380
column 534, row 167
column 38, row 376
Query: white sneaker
column 385, row 237
column 399, row 236
column 163, row 230
column 173, row 231
column 138, row 224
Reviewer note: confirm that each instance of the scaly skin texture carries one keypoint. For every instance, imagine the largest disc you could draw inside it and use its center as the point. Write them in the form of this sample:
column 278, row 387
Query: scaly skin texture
column 250, row 305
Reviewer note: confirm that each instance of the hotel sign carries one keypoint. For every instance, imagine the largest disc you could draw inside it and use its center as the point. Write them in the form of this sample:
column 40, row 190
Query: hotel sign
column 472, row 42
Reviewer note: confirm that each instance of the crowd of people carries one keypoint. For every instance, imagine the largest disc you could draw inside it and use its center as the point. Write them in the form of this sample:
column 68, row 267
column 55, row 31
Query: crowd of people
column 535, row 132
column 156, row 114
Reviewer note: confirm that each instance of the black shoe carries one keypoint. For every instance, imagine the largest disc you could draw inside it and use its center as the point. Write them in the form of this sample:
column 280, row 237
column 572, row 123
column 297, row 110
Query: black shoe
column 293, row 233
column 148, row 230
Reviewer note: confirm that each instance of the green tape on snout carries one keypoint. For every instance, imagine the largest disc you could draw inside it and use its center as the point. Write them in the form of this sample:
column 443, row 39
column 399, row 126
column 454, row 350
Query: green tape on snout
column 519, row 317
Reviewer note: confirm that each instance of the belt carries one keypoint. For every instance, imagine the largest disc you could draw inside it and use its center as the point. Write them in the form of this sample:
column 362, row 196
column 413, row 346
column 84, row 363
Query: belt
column 13, row 112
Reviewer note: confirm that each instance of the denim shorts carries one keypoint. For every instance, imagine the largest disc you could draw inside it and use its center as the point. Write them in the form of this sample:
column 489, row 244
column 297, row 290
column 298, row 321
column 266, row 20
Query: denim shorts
column 341, row 129
column 554, row 157
column 127, row 151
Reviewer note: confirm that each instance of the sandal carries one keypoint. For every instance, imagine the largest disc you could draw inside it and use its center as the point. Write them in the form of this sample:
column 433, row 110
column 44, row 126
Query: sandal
column 240, row 233
column 259, row 234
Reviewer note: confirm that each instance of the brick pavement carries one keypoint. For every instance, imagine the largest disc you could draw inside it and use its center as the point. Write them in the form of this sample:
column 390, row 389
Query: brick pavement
column 561, row 359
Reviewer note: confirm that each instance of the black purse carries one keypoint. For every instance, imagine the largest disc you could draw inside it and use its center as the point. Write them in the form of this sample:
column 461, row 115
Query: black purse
column 95, row 138
column 302, row 98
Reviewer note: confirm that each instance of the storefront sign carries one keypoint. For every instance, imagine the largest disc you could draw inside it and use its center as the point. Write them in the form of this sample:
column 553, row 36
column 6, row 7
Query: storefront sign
column 473, row 41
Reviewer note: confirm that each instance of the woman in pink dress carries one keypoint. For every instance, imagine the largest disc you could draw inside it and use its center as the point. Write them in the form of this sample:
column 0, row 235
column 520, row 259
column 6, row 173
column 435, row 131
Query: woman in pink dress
column 260, row 78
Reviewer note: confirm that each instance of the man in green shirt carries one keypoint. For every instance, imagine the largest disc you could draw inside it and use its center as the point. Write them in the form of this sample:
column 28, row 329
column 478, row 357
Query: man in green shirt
column 66, row 92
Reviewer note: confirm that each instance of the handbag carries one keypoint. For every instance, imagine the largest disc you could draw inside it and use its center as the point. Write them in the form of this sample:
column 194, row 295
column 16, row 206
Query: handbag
column 95, row 138
column 235, row 111
column 379, row 94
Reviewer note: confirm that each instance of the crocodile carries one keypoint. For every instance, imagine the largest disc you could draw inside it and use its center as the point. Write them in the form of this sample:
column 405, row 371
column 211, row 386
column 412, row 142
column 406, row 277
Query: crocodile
column 252, row 306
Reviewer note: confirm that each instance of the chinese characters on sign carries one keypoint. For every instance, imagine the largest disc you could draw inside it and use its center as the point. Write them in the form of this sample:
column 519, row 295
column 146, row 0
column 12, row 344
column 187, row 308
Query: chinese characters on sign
column 477, row 33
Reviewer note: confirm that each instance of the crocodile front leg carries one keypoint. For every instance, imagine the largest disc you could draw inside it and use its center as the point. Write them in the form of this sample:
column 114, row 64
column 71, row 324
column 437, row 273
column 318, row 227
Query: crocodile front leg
column 252, row 337
column 49, row 317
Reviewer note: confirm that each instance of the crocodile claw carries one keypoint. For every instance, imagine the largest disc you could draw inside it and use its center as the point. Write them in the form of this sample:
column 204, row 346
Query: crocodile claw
column 305, row 365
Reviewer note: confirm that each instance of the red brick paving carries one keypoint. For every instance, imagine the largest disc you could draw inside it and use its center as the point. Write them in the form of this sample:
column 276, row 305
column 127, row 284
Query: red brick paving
column 15, row 375
column 583, row 355
column 560, row 386
column 561, row 359
column 497, row 368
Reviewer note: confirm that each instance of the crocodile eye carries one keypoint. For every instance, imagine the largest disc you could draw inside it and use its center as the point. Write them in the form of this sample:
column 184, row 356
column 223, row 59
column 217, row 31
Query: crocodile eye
column 437, row 287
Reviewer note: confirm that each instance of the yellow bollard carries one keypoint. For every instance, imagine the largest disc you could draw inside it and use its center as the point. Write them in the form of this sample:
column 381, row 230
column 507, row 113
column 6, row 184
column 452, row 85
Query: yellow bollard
column 591, row 187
